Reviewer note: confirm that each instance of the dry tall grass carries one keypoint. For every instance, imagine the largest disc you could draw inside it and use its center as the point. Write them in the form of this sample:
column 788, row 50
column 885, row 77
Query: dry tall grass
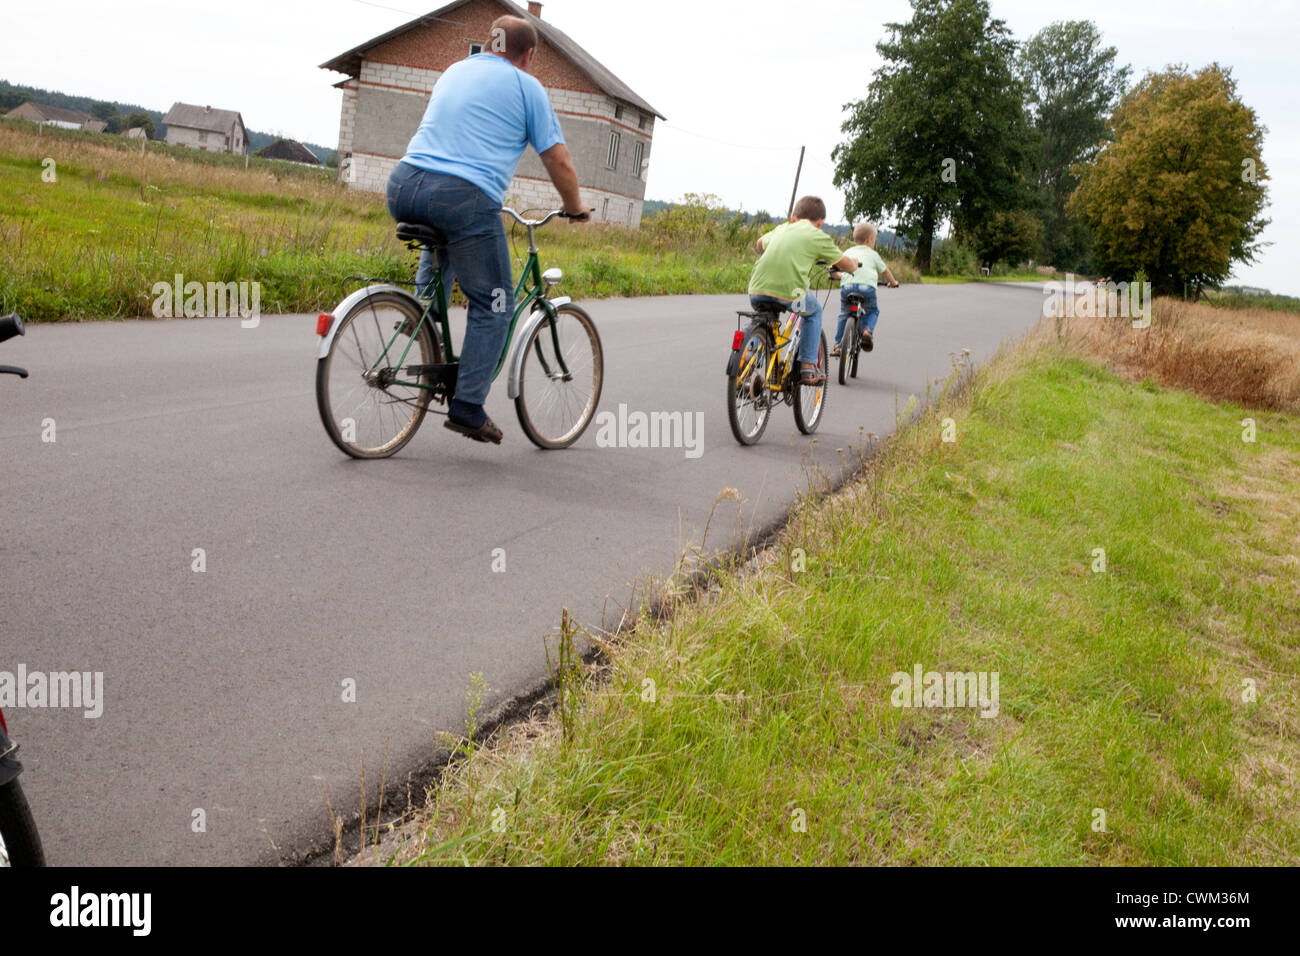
column 1248, row 356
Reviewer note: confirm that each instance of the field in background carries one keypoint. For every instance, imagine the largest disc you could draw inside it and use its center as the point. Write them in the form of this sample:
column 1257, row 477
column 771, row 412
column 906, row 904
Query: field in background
column 93, row 244
column 1147, row 709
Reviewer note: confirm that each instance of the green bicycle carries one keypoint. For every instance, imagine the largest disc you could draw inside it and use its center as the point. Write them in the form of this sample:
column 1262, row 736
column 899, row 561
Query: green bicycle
column 385, row 356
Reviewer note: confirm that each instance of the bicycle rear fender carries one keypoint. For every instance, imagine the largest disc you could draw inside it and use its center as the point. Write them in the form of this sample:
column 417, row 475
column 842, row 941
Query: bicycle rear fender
column 523, row 334
column 351, row 302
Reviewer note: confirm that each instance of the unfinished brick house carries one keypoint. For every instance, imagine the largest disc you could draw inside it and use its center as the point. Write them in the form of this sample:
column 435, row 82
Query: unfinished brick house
column 608, row 127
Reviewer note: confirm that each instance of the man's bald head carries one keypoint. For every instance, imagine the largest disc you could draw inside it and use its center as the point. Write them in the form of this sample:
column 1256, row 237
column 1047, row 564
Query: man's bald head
column 512, row 37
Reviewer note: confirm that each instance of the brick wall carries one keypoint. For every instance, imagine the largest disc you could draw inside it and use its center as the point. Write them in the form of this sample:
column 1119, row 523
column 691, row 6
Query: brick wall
column 436, row 46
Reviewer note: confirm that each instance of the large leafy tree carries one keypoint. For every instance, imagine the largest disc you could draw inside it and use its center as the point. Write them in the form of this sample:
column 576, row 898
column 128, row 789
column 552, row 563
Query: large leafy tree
column 1180, row 192
column 1072, row 85
column 942, row 132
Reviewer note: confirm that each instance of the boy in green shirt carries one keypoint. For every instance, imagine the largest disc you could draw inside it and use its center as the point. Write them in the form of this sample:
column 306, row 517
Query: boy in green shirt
column 863, row 283
column 781, row 274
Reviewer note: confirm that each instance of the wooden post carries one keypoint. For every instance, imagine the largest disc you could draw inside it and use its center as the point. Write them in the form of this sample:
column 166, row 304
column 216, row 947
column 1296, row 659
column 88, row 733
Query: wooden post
column 795, row 191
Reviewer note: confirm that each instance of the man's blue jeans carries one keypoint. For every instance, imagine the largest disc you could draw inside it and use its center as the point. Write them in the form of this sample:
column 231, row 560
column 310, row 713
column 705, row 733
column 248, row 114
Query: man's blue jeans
column 869, row 307
column 474, row 250
column 810, row 337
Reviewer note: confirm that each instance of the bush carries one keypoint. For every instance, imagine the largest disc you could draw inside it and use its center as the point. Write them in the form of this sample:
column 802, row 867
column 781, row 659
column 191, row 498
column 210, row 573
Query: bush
column 951, row 258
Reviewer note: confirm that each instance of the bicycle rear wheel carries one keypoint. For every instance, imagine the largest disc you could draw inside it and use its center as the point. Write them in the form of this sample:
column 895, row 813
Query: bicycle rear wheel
column 850, row 330
column 810, row 400
column 561, row 378
column 367, row 403
column 749, row 399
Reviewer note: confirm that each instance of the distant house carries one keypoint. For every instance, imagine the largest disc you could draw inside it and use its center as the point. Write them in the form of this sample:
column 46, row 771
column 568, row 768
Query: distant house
column 202, row 127
column 607, row 126
column 136, row 132
column 290, row 150
column 57, row 116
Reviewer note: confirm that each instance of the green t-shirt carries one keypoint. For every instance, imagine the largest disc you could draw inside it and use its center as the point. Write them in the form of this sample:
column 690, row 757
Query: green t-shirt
column 789, row 253
column 870, row 266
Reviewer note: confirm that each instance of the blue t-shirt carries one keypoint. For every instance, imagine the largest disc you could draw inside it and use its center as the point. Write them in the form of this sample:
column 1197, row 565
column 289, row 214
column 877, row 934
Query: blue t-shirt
column 482, row 115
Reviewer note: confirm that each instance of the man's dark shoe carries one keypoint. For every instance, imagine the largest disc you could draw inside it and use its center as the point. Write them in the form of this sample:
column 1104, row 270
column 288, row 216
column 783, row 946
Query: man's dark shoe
column 867, row 343
column 487, row 432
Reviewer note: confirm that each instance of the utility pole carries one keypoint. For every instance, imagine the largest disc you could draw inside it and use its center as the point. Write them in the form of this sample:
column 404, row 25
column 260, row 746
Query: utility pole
column 795, row 191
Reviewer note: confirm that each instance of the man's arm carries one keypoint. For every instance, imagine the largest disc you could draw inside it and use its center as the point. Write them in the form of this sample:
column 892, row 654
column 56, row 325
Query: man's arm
column 559, row 166
column 846, row 263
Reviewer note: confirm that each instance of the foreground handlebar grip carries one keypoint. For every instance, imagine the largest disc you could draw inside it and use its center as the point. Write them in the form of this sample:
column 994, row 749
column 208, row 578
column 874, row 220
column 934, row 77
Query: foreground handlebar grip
column 11, row 325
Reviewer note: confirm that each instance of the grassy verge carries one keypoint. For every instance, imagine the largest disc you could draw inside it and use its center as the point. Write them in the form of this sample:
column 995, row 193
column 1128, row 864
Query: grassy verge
column 1146, row 711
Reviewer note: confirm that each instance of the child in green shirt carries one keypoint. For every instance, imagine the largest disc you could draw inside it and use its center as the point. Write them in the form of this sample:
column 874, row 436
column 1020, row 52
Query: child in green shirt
column 863, row 282
column 789, row 253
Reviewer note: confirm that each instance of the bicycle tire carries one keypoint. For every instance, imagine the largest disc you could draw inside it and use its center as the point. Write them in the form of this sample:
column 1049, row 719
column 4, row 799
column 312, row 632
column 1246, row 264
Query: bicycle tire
column 20, row 844
column 748, row 386
column 850, row 327
column 416, row 399
column 808, row 419
column 539, row 343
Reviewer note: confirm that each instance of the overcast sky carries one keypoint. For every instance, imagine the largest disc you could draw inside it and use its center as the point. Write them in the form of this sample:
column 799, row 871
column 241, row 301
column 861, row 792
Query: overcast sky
column 742, row 85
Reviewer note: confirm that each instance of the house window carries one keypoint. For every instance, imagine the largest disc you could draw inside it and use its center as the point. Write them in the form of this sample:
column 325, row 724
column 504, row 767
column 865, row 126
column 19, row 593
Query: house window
column 475, row 48
column 604, row 210
column 618, row 112
column 611, row 161
column 640, row 122
column 638, row 152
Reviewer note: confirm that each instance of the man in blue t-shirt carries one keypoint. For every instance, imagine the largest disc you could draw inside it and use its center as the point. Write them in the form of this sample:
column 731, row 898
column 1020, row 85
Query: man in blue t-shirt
column 484, row 112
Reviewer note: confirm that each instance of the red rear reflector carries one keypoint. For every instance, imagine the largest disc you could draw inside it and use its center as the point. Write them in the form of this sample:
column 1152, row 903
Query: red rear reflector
column 737, row 339
column 323, row 323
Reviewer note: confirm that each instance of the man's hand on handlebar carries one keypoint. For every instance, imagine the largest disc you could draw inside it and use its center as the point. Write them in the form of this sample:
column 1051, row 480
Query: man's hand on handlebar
column 584, row 216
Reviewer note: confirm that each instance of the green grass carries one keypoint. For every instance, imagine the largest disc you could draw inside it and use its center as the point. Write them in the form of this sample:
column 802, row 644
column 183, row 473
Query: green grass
column 1119, row 691
column 93, row 243
column 1233, row 299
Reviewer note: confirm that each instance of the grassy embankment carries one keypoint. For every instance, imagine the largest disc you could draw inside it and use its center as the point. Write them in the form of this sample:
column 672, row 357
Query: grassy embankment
column 1160, row 691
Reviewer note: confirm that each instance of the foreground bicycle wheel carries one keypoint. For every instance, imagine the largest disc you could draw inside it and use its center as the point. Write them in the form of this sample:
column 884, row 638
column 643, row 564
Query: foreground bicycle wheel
column 366, row 411
column 557, row 400
column 810, row 400
column 748, row 397
column 19, row 843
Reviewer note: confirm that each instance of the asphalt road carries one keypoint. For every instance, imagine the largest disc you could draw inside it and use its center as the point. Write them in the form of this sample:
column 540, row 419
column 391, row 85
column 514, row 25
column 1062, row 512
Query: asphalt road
column 223, row 690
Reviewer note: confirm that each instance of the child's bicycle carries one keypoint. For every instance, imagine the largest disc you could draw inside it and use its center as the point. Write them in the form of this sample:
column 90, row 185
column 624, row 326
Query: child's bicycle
column 385, row 355
column 763, row 372
column 850, row 344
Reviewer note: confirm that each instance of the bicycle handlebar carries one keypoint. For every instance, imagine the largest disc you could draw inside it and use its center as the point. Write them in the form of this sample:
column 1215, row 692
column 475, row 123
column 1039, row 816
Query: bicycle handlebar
column 539, row 222
column 11, row 325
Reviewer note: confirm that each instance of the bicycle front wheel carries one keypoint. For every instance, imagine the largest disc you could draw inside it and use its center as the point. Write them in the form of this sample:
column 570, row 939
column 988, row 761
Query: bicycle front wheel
column 369, row 405
column 561, row 378
column 19, row 843
column 810, row 400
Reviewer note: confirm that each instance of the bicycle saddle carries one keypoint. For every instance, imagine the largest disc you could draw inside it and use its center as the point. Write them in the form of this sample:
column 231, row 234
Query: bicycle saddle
column 417, row 232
